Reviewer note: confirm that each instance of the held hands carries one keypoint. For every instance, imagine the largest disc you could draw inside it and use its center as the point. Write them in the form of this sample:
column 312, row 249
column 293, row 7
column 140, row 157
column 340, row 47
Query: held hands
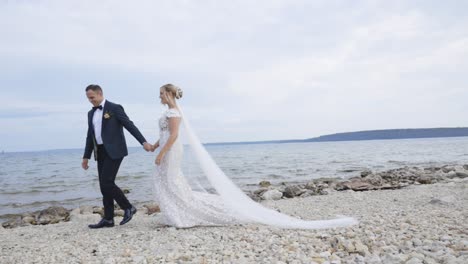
column 148, row 147
column 155, row 146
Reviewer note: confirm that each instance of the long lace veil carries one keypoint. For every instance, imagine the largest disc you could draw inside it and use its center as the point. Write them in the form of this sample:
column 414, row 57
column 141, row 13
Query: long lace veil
column 237, row 201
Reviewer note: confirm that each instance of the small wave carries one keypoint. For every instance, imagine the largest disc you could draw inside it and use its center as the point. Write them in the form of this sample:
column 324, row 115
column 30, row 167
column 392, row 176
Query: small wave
column 349, row 170
column 396, row 162
column 336, row 161
column 295, row 170
column 36, row 204
column 20, row 192
column 274, row 176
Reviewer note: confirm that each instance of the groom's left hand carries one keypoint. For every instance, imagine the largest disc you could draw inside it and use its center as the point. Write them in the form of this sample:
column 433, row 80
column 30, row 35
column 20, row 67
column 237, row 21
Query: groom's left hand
column 84, row 164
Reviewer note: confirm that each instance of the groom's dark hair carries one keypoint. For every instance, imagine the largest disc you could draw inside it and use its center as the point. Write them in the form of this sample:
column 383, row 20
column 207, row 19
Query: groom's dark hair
column 94, row 87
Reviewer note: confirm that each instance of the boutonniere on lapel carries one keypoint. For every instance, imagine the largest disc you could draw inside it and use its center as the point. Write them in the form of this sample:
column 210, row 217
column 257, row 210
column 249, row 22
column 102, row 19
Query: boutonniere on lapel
column 107, row 115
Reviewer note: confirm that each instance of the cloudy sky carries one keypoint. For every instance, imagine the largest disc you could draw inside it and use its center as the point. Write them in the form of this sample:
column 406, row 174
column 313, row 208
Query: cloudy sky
column 250, row 70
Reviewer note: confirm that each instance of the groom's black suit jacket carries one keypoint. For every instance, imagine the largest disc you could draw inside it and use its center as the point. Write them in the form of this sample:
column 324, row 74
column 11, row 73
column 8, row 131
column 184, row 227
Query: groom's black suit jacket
column 114, row 120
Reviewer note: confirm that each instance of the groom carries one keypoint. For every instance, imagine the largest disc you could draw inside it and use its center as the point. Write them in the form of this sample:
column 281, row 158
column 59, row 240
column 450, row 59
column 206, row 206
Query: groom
column 106, row 121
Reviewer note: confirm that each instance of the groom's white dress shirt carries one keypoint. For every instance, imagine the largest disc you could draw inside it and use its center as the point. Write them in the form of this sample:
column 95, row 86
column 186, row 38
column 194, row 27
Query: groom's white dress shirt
column 97, row 123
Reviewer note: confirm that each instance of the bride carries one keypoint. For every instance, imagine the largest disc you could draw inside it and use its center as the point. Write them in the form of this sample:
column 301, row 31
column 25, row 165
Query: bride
column 183, row 207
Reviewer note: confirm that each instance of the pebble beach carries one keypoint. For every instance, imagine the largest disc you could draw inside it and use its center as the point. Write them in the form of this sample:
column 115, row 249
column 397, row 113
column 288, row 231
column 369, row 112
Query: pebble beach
column 420, row 223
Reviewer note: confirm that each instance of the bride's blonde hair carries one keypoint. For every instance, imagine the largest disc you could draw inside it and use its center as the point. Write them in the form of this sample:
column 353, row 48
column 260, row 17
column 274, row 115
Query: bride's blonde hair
column 175, row 91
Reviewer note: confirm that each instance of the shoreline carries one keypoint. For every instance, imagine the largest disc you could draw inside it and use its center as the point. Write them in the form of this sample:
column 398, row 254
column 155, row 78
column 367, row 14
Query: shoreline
column 367, row 180
column 420, row 223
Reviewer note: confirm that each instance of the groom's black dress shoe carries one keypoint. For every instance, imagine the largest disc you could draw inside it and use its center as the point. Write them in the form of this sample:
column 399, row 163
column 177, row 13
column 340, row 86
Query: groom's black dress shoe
column 103, row 223
column 128, row 214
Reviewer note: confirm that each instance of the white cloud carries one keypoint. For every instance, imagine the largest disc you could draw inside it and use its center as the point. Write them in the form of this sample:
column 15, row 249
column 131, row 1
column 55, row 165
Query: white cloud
column 256, row 70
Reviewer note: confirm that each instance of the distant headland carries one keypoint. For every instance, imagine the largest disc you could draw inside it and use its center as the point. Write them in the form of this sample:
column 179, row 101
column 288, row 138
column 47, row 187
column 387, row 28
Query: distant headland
column 371, row 135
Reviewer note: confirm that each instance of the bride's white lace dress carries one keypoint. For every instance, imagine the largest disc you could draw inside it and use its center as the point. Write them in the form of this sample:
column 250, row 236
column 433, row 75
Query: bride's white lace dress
column 180, row 205
column 183, row 207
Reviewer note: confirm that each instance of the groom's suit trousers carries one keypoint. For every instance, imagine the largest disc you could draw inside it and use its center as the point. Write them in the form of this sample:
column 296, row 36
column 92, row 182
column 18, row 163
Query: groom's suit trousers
column 107, row 171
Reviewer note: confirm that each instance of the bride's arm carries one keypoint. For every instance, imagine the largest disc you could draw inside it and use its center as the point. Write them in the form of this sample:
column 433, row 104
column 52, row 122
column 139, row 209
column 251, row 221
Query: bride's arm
column 174, row 123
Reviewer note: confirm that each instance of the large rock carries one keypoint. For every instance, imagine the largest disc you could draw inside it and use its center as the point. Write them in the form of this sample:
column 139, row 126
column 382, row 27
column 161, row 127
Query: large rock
column 366, row 173
column 293, row 191
column 53, row 215
column 14, row 223
column 447, row 168
column 311, row 186
column 264, row 184
column 86, row 209
column 359, row 185
column 424, row 179
column 272, row 195
column 260, row 191
column 253, row 196
column 29, row 220
column 98, row 210
column 119, row 212
column 374, row 179
column 75, row 214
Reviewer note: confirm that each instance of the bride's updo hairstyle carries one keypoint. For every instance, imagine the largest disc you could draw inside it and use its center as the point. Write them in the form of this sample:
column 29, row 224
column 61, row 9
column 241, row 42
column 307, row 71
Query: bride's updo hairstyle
column 174, row 90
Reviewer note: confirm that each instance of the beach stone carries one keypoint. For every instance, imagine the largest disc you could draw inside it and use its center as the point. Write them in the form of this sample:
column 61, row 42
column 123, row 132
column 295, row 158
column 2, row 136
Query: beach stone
column 75, row 211
column 98, row 210
column 75, row 214
column 450, row 199
column 142, row 210
column 358, row 185
column 152, row 208
column 264, row 184
column 340, row 186
column 139, row 259
column 53, row 215
column 86, row 209
column 461, row 174
column 450, row 175
column 322, row 185
column 260, row 191
column 424, row 179
column 393, row 258
column 417, row 242
column 17, row 222
column 366, row 173
column 119, row 212
column 374, row 179
column 307, row 194
column 292, row 191
column 414, row 260
column 254, row 197
column 272, row 195
column 29, row 220
column 311, row 186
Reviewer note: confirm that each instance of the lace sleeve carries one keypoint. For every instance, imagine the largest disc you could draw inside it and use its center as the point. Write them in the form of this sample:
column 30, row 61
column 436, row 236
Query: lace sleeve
column 172, row 113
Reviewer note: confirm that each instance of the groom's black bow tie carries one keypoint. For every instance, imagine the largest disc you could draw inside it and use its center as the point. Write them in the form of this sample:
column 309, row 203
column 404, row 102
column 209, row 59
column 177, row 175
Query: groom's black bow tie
column 97, row 107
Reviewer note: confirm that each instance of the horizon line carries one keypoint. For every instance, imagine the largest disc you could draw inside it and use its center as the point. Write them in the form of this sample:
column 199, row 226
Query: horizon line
column 270, row 141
